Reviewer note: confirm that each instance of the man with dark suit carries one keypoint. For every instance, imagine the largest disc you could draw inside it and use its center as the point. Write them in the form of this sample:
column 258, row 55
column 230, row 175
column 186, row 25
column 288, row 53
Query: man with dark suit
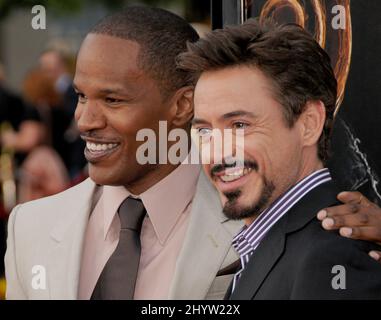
column 274, row 86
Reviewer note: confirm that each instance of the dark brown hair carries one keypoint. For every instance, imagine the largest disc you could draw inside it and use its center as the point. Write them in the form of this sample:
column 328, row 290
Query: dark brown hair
column 298, row 67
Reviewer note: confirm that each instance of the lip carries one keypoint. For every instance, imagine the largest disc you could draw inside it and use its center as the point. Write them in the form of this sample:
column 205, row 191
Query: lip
column 226, row 187
column 96, row 156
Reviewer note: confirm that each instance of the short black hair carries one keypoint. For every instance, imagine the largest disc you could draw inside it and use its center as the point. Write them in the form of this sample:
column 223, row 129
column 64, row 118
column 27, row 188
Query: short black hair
column 161, row 35
column 289, row 56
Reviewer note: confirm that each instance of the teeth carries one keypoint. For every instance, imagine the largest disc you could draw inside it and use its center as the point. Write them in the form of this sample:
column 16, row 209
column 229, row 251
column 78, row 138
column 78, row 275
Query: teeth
column 229, row 178
column 232, row 174
column 100, row 146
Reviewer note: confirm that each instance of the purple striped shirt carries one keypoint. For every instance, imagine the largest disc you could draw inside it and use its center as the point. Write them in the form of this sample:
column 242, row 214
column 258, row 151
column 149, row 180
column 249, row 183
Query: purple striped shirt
column 249, row 238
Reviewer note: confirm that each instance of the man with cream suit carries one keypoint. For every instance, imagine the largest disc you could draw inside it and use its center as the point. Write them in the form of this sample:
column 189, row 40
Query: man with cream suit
column 65, row 246
column 61, row 222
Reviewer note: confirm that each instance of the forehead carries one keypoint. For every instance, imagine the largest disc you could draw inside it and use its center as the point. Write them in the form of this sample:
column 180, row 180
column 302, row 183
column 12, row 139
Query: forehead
column 235, row 88
column 107, row 58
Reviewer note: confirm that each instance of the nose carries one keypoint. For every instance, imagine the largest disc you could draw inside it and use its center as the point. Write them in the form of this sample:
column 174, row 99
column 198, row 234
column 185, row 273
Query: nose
column 222, row 146
column 89, row 117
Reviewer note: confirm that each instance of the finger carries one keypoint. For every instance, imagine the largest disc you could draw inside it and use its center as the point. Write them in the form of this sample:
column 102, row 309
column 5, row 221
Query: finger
column 353, row 197
column 349, row 220
column 362, row 233
column 376, row 255
column 338, row 210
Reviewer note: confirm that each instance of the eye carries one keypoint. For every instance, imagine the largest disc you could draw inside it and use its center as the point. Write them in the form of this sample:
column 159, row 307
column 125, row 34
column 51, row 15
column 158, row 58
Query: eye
column 204, row 132
column 81, row 97
column 111, row 100
column 240, row 125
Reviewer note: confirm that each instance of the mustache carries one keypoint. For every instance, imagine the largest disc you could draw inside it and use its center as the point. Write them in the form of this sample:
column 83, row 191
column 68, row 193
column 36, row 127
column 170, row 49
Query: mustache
column 250, row 164
column 96, row 136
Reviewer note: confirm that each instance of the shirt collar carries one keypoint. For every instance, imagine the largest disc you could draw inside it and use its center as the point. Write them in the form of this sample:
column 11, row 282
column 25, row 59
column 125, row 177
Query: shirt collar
column 165, row 201
column 112, row 198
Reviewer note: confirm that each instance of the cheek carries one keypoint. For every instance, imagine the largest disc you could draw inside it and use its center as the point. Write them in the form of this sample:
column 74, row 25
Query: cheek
column 285, row 155
column 282, row 162
column 127, row 125
column 273, row 153
column 255, row 150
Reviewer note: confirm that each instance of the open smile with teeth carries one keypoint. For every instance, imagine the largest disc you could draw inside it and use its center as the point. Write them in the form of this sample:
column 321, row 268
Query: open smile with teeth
column 232, row 174
column 96, row 147
column 96, row 151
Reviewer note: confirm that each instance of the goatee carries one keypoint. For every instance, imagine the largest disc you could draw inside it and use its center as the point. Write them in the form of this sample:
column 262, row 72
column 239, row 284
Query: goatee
column 234, row 211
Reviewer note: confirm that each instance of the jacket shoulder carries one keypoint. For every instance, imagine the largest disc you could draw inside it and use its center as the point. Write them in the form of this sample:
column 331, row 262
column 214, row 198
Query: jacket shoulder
column 324, row 255
column 47, row 210
column 331, row 242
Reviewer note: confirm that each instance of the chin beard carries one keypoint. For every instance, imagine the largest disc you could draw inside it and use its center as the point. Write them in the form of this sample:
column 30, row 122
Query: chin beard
column 234, row 211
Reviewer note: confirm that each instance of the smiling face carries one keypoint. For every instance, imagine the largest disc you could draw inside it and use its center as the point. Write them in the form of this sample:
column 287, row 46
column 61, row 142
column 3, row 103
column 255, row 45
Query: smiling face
column 115, row 100
column 274, row 158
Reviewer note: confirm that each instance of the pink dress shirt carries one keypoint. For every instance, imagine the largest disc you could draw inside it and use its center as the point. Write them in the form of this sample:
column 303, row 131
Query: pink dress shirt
column 168, row 205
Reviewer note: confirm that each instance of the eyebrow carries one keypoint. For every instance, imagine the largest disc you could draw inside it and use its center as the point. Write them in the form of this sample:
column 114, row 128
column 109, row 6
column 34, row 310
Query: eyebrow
column 238, row 113
column 226, row 116
column 110, row 91
column 197, row 121
column 105, row 91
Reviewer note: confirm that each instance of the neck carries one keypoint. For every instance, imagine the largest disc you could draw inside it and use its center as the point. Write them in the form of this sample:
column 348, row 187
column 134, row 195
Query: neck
column 153, row 176
column 308, row 169
column 156, row 173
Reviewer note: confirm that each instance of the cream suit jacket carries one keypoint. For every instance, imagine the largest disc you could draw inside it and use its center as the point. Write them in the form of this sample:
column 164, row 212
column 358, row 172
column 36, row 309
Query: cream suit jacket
column 45, row 240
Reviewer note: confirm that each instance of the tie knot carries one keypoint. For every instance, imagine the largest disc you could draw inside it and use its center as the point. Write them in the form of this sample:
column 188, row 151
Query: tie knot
column 131, row 214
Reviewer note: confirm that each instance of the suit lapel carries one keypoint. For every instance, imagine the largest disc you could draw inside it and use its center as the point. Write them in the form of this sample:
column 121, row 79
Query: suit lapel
column 272, row 246
column 205, row 247
column 67, row 237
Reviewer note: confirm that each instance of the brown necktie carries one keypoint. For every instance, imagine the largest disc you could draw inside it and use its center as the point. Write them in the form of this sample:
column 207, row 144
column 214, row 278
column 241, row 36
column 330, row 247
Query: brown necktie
column 117, row 280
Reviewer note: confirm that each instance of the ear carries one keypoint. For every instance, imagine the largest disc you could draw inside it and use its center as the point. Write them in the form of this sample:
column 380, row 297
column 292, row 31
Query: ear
column 312, row 122
column 183, row 106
